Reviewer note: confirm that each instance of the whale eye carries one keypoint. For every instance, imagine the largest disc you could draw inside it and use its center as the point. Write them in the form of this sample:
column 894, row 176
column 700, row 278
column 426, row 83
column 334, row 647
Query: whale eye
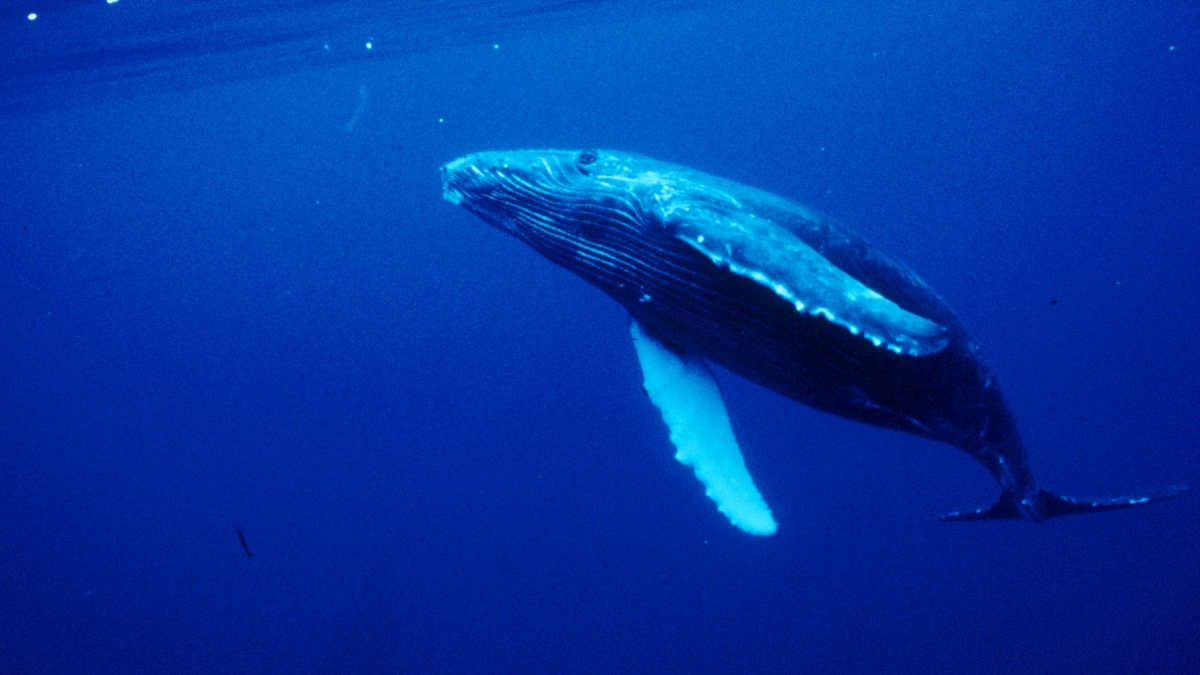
column 587, row 157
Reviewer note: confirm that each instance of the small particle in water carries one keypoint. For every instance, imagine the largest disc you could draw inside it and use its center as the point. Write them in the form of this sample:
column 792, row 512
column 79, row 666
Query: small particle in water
column 245, row 547
column 32, row 16
column 370, row 45
column 1054, row 302
column 496, row 46
column 112, row 2
column 1171, row 48
column 326, row 47
column 440, row 120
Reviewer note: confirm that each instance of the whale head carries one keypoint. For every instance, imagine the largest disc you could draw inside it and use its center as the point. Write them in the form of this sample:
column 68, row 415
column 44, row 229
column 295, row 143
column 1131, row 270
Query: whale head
column 529, row 191
column 568, row 194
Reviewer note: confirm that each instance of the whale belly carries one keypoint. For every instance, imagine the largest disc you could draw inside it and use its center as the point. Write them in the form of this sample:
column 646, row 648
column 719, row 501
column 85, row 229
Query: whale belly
column 745, row 327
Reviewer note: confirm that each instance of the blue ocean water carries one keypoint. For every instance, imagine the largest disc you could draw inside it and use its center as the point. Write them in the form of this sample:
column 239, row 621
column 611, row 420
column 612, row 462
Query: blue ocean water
column 232, row 300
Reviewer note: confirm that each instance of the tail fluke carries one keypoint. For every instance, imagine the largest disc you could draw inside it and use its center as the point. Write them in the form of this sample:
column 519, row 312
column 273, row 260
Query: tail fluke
column 1043, row 505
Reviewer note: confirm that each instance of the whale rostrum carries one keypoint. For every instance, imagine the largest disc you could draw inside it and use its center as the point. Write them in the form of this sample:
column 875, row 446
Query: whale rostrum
column 714, row 271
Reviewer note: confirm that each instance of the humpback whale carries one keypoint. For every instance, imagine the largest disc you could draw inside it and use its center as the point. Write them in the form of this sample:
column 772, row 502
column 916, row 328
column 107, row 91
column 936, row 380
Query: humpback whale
column 714, row 271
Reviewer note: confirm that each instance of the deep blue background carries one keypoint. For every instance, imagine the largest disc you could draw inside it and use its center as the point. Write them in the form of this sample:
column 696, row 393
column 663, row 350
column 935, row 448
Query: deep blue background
column 221, row 309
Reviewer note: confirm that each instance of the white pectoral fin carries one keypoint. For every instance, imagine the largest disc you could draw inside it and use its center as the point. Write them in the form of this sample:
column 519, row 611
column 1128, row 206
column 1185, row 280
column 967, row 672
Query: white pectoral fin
column 683, row 389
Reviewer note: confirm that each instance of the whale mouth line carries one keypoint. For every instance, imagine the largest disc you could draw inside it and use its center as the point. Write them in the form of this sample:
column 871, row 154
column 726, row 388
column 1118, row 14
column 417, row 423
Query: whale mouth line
column 462, row 179
column 457, row 178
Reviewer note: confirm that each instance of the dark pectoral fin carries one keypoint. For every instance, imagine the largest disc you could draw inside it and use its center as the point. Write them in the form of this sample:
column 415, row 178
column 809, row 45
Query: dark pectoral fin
column 761, row 250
